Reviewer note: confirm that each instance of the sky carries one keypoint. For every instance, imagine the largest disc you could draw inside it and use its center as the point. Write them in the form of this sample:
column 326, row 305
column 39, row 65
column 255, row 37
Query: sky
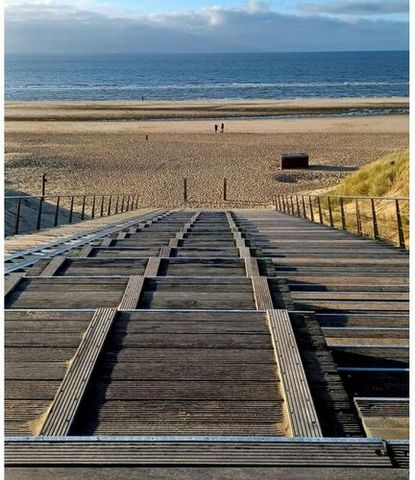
column 199, row 26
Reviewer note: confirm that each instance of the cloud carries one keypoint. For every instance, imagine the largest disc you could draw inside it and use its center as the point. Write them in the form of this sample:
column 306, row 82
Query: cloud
column 358, row 7
column 90, row 27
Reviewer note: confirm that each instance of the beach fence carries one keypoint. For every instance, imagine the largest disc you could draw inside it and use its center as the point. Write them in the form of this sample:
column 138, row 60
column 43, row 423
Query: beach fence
column 381, row 218
column 26, row 213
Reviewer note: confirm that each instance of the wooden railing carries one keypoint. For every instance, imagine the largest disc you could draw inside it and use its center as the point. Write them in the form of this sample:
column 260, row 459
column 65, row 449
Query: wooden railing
column 53, row 210
column 382, row 218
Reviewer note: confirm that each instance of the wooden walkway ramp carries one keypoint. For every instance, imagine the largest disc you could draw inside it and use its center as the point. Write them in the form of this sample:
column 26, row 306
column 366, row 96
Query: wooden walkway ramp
column 208, row 338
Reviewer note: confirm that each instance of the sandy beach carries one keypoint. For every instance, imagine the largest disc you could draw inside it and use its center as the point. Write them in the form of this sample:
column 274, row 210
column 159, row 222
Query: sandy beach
column 102, row 147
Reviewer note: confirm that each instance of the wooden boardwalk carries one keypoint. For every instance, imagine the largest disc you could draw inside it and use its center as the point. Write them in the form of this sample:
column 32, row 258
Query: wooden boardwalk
column 208, row 338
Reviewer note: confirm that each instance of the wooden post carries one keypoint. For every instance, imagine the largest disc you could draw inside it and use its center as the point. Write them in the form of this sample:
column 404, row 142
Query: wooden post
column 44, row 180
column 311, row 208
column 122, row 204
column 56, row 221
column 320, row 213
column 93, row 207
column 359, row 225
column 83, row 208
column 109, row 206
column 298, row 206
column 304, row 210
column 101, row 213
column 342, row 214
column 374, row 219
column 116, row 205
column 330, row 212
column 400, row 229
column 39, row 214
column 225, row 189
column 71, row 209
column 292, row 204
column 17, row 219
column 185, row 189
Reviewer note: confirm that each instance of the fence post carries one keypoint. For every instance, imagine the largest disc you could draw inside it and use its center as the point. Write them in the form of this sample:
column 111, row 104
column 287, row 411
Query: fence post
column 298, row 206
column 311, row 208
column 116, row 205
column 83, row 208
column 56, row 221
column 374, row 220
column 185, row 189
column 17, row 220
column 93, row 207
column 109, row 206
column 225, row 189
column 304, row 210
column 342, row 214
column 71, row 209
column 101, row 213
column 292, row 204
column 39, row 214
column 320, row 213
column 122, row 204
column 359, row 224
column 400, row 229
column 330, row 212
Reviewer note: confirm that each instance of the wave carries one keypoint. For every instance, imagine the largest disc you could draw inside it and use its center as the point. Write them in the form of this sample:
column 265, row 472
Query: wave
column 200, row 86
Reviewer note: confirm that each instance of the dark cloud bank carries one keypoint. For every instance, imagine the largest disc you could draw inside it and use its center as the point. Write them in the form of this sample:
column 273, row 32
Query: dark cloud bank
column 59, row 29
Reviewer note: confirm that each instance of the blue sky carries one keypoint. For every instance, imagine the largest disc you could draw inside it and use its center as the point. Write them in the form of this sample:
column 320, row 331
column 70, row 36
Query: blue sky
column 132, row 26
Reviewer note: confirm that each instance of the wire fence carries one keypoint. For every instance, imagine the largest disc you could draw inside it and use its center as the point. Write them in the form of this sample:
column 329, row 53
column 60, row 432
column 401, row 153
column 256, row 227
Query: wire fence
column 381, row 218
column 26, row 213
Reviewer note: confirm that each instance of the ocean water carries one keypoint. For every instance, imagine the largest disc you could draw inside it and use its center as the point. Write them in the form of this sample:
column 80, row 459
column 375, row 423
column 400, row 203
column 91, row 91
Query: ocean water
column 209, row 76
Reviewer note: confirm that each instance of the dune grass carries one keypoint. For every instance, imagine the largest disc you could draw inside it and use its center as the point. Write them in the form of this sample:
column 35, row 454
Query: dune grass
column 387, row 177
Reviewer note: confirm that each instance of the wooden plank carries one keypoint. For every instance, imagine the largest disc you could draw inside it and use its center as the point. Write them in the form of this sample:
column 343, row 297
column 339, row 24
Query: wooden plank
column 251, row 266
column 165, row 252
column 196, row 450
column 244, row 252
column 53, row 266
column 152, row 267
column 106, row 242
column 262, row 294
column 132, row 293
column 173, row 243
column 85, row 251
column 11, row 282
column 300, row 409
column 121, row 235
column 60, row 417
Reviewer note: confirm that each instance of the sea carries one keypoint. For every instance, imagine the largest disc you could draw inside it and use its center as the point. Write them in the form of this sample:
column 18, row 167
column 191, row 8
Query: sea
column 207, row 76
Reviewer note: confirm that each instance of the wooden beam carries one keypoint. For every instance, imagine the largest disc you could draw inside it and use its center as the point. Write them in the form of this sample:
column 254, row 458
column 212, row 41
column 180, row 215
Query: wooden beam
column 251, row 266
column 262, row 294
column 65, row 405
column 165, row 252
column 85, row 251
column 11, row 282
column 201, row 450
column 132, row 293
column 53, row 266
column 152, row 267
column 300, row 408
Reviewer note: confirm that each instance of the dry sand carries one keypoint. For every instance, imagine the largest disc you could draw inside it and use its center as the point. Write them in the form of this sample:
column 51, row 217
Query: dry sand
column 110, row 156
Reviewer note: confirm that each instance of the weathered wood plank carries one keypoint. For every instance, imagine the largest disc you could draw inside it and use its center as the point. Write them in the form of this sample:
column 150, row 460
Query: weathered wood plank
column 85, row 251
column 53, row 266
column 300, row 409
column 152, row 267
column 132, row 293
column 11, row 282
column 69, row 395
column 262, row 294
column 251, row 266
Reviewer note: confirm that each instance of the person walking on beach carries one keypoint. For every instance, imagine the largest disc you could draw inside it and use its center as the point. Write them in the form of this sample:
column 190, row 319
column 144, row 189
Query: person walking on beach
column 216, row 128
column 222, row 128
